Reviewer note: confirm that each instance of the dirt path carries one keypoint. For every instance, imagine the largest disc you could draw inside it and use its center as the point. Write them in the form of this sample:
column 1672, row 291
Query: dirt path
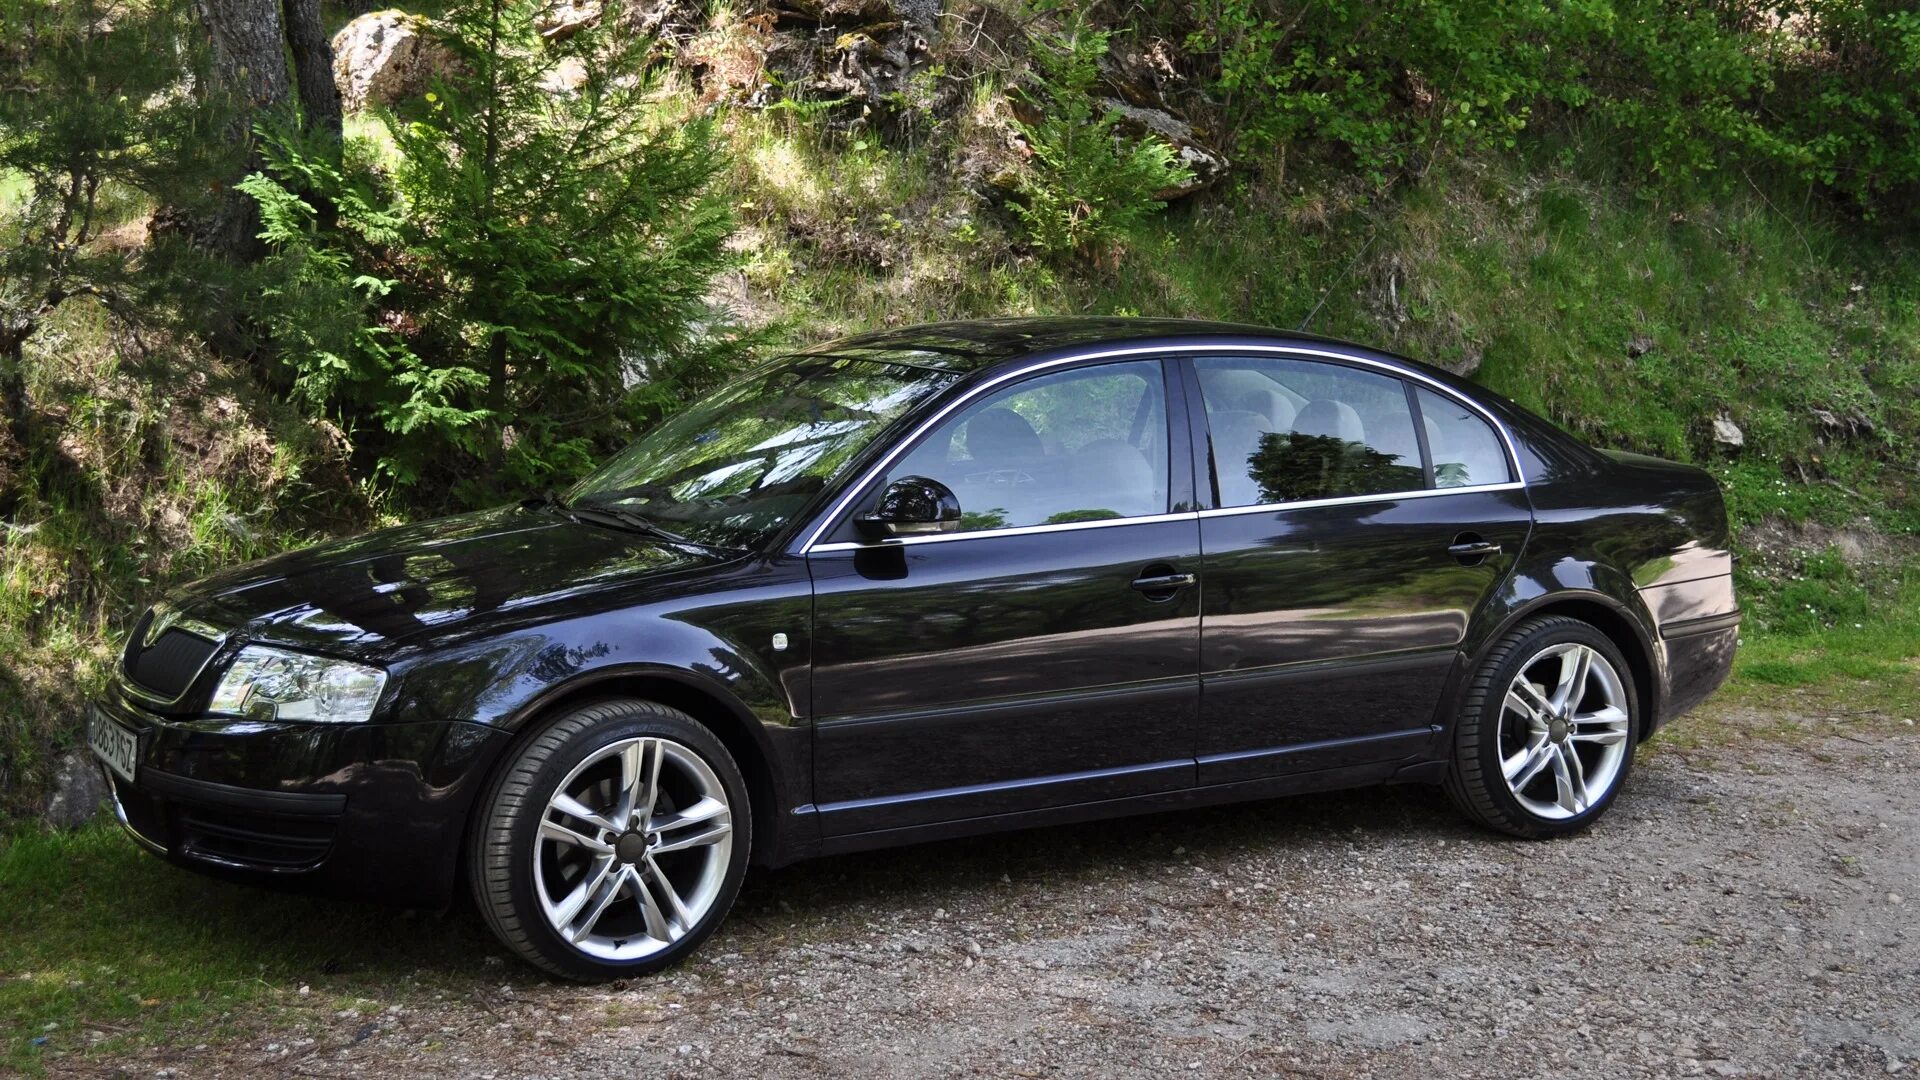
column 1740, row 913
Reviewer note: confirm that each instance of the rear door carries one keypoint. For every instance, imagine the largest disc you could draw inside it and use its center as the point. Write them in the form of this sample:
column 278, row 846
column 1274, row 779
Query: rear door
column 1039, row 657
column 1358, row 520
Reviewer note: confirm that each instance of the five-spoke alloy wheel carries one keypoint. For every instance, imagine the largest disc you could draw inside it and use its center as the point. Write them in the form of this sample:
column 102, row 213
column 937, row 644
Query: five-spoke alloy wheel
column 1545, row 735
column 615, row 841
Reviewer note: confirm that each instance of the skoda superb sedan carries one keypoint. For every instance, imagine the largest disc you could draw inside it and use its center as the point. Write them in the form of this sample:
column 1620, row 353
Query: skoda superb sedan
column 921, row 583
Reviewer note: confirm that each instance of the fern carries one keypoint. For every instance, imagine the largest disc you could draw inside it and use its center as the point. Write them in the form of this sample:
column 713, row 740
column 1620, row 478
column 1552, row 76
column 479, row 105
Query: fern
column 1087, row 183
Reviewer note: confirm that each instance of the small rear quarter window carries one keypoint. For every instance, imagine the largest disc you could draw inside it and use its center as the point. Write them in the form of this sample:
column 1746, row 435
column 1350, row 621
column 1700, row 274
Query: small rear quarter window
column 1466, row 450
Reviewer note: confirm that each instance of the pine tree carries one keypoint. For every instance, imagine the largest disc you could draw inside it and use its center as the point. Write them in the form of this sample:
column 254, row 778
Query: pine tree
column 94, row 113
column 548, row 232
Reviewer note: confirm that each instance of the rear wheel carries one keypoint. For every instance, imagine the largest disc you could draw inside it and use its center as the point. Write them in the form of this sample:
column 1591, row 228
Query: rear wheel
column 614, row 843
column 1545, row 737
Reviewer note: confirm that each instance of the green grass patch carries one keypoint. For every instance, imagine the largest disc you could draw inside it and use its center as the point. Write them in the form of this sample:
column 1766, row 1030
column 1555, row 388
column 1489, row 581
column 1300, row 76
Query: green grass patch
column 108, row 948
column 1834, row 637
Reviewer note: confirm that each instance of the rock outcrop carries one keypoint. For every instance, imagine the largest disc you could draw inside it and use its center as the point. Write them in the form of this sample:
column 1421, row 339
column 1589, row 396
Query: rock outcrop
column 384, row 57
column 79, row 787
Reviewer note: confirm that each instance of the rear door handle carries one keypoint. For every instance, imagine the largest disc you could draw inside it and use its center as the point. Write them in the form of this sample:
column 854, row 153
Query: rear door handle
column 1163, row 583
column 1474, row 549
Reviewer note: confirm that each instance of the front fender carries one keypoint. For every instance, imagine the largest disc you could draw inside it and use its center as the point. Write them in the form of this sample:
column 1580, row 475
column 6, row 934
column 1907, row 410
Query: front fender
column 712, row 654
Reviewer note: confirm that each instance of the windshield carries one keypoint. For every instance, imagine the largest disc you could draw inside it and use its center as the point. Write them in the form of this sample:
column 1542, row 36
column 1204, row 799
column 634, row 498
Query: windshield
column 734, row 467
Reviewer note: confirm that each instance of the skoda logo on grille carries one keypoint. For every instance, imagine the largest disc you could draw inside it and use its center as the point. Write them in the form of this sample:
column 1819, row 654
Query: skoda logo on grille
column 160, row 623
column 166, row 617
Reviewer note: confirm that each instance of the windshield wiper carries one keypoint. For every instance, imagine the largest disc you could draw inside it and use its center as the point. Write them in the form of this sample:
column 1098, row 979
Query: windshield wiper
column 638, row 522
column 548, row 502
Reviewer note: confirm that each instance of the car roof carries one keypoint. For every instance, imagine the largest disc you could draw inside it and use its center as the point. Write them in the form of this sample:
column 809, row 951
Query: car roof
column 979, row 344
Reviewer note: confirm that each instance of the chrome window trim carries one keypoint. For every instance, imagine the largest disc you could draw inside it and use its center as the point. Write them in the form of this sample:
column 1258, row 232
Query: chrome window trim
column 1018, row 530
column 1216, row 512
column 841, row 504
column 1348, row 500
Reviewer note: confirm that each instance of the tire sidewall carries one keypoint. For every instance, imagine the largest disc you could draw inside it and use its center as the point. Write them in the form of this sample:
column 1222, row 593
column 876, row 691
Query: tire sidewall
column 1528, row 645
column 626, row 721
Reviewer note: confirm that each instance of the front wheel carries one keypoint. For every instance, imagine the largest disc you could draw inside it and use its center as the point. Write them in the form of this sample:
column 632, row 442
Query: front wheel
column 1545, row 737
column 613, row 843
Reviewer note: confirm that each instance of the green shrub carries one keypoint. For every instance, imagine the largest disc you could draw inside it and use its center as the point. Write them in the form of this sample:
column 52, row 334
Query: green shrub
column 522, row 275
column 1087, row 183
column 91, row 123
column 1389, row 81
column 1825, row 92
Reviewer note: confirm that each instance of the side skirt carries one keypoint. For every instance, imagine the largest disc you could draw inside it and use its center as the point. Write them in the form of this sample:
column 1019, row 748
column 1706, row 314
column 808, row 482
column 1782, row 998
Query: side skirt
column 1402, row 771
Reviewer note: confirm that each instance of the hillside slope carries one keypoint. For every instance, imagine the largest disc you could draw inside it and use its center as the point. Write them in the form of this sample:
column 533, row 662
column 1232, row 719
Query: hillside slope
column 1753, row 328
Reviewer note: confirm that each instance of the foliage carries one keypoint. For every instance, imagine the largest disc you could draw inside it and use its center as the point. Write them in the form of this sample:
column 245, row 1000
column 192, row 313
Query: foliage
column 531, row 256
column 92, row 115
column 1821, row 90
column 1824, row 91
column 1087, row 182
column 1390, row 81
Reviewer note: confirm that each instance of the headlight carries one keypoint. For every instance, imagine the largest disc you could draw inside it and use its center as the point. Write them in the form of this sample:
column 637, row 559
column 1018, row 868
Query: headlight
column 268, row 684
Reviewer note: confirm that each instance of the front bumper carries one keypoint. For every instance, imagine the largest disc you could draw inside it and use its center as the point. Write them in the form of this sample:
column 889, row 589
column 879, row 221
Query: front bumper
column 372, row 811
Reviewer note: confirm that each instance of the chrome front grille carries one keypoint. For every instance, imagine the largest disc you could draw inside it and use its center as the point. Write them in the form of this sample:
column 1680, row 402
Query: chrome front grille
column 163, row 660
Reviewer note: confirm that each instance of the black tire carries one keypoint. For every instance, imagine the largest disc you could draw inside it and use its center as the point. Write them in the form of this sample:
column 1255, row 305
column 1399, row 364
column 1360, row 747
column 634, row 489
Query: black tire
column 504, row 861
column 1475, row 781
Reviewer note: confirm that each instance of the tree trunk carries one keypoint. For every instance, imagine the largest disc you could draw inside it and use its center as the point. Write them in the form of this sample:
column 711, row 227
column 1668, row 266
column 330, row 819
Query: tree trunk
column 313, row 68
column 490, row 171
column 13, row 381
column 497, row 377
column 250, row 69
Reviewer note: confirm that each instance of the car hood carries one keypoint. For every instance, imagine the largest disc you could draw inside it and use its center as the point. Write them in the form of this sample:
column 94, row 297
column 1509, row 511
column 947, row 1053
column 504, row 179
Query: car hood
column 362, row 596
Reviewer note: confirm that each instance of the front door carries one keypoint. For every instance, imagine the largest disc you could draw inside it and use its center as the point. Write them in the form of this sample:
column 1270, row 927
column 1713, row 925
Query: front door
column 1039, row 657
column 1360, row 520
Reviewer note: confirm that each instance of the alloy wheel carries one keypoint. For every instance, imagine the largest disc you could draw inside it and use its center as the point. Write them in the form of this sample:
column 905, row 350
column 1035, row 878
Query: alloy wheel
column 1564, row 727
column 633, row 848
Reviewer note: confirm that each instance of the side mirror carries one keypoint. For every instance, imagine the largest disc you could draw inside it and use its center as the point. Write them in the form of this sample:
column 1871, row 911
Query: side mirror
column 912, row 506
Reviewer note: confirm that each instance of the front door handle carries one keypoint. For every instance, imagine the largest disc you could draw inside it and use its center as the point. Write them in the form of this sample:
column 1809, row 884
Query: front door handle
column 1163, row 583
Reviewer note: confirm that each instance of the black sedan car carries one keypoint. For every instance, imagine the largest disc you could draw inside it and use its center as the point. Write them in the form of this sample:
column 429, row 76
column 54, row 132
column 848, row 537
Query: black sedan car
column 922, row 583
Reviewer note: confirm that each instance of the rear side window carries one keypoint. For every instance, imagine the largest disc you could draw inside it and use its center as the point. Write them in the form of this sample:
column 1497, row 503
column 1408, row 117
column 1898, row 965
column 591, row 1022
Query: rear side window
column 1466, row 451
column 1286, row 430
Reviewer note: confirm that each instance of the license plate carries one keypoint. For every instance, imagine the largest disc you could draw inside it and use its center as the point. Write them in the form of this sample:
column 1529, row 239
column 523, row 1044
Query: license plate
column 115, row 745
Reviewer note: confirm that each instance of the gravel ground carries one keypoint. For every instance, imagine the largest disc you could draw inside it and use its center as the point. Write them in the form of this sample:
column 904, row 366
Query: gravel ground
column 1740, row 913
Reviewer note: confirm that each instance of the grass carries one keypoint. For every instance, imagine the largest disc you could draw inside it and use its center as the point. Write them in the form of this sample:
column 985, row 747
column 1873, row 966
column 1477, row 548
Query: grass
column 109, row 949
column 1846, row 639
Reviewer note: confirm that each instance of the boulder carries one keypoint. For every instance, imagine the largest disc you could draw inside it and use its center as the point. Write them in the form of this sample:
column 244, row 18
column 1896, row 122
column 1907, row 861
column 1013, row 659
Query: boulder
column 562, row 19
column 1143, row 86
column 1206, row 164
column 859, row 55
column 565, row 77
column 854, row 12
column 79, row 787
column 384, row 57
column 1726, row 432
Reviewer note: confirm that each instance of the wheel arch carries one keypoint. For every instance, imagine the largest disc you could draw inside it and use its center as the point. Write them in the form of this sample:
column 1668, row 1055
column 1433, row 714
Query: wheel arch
column 1610, row 617
column 742, row 733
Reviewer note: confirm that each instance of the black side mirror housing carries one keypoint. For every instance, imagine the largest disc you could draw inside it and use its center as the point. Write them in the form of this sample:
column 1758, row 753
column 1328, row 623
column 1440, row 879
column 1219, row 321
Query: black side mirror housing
column 912, row 506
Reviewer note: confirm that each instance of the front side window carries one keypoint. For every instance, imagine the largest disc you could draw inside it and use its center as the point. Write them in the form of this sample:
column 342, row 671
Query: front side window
column 1081, row 445
column 1286, row 430
column 1466, row 452
column 734, row 467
